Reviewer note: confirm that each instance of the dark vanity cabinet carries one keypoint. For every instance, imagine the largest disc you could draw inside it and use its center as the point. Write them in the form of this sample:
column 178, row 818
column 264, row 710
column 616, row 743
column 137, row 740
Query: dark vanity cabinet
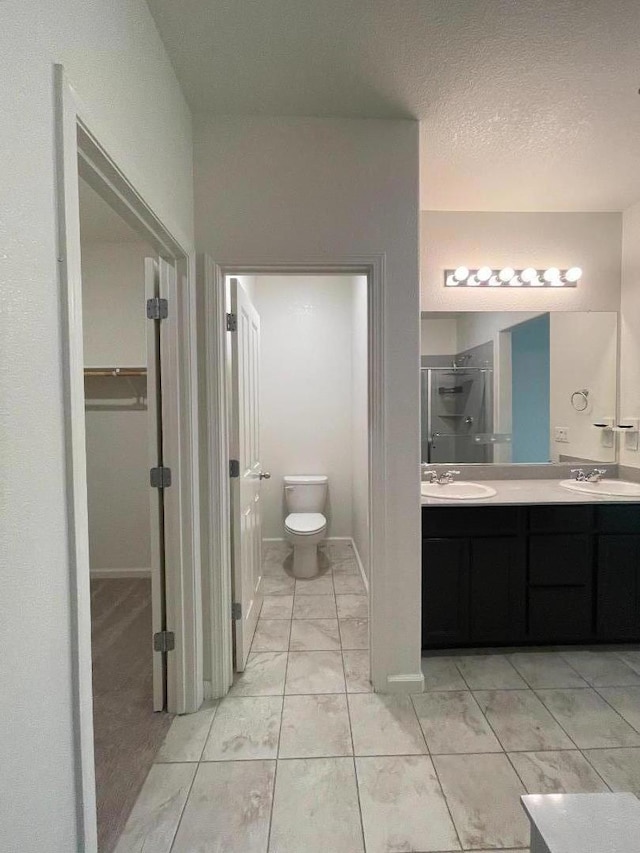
column 512, row 575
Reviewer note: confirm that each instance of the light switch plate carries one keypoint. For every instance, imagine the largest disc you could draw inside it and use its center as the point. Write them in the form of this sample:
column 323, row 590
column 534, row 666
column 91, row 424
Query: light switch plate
column 561, row 435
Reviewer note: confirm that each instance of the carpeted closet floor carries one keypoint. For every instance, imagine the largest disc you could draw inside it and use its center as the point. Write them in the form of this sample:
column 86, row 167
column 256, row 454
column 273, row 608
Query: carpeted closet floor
column 127, row 732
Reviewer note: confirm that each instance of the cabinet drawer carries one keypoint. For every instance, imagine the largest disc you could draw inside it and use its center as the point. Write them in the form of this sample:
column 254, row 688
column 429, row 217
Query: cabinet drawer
column 560, row 560
column 560, row 613
column 469, row 521
column 618, row 518
column 560, row 518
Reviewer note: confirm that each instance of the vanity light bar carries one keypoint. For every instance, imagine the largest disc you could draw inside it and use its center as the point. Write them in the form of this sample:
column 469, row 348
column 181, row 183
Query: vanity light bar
column 508, row 277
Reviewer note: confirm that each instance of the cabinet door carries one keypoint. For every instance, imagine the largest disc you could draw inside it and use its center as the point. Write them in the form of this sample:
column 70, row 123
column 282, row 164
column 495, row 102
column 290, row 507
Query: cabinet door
column 618, row 579
column 497, row 601
column 445, row 592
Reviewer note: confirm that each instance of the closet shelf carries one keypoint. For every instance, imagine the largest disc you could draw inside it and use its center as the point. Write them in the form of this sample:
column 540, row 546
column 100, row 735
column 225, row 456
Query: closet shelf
column 115, row 371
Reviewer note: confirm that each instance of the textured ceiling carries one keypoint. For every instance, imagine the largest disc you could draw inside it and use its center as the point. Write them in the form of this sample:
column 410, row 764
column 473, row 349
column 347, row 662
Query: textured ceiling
column 524, row 104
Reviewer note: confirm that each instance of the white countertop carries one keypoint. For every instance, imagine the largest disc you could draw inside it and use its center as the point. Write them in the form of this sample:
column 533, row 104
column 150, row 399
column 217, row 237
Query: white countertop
column 531, row 492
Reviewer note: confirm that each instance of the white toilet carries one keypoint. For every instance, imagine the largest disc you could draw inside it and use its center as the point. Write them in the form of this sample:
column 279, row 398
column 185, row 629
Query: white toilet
column 305, row 525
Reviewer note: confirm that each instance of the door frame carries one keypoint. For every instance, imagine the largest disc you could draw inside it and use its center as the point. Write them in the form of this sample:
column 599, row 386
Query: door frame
column 216, row 547
column 79, row 150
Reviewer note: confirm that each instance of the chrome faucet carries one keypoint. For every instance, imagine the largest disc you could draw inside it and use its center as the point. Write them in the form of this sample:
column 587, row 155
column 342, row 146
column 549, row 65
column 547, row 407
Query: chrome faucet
column 592, row 477
column 426, row 473
column 580, row 475
column 447, row 477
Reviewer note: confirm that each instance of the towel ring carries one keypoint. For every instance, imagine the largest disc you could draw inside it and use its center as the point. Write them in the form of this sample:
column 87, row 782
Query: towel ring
column 580, row 400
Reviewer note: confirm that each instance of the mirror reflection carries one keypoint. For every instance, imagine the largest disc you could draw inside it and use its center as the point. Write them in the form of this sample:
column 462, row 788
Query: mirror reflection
column 507, row 387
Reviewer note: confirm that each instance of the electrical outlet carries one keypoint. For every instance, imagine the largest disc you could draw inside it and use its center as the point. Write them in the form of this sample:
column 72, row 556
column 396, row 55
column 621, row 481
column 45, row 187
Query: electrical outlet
column 561, row 435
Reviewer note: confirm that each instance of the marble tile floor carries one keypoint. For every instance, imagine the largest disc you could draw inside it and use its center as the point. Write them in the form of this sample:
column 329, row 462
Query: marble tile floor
column 303, row 757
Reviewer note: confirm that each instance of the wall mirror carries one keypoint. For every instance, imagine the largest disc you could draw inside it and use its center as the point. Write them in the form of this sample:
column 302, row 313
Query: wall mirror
column 507, row 387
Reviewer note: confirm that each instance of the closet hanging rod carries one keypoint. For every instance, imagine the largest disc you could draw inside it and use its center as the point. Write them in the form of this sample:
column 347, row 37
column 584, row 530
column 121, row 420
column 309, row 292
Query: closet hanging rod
column 115, row 371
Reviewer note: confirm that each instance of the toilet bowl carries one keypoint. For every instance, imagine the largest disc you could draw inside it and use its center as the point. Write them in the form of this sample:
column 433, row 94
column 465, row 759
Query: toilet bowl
column 305, row 526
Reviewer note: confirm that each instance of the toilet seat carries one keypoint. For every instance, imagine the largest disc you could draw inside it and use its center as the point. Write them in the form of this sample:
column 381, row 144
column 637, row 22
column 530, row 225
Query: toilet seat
column 305, row 523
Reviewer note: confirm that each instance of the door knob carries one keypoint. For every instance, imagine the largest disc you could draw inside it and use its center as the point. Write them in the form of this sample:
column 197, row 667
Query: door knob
column 264, row 475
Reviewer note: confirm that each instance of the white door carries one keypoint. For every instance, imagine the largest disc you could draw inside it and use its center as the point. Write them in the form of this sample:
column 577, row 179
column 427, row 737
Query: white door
column 246, row 525
column 159, row 284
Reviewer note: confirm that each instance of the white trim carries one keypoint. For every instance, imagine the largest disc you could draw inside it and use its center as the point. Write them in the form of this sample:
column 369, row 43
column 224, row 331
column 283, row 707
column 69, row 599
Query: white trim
column 363, row 574
column 77, row 148
column 120, row 573
column 409, row 682
column 374, row 268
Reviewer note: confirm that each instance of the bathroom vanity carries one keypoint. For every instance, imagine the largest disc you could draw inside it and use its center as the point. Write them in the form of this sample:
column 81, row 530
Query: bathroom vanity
column 532, row 566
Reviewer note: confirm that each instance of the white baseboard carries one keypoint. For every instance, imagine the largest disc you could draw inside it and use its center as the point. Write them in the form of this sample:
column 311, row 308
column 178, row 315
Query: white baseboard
column 120, row 573
column 408, row 682
column 365, row 579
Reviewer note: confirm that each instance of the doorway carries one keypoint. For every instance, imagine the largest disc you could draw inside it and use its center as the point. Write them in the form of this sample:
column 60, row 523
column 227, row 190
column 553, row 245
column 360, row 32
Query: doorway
column 299, row 425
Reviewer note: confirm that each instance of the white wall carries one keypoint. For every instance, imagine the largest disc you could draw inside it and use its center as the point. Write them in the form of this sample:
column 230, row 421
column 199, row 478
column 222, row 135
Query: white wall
column 305, row 391
column 588, row 240
column 630, row 328
column 584, row 351
column 360, row 421
column 438, row 337
column 300, row 190
column 480, row 327
column 115, row 326
column 117, row 63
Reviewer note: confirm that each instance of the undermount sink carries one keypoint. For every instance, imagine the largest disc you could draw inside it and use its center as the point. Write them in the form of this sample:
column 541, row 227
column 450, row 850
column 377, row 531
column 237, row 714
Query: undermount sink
column 620, row 488
column 457, row 491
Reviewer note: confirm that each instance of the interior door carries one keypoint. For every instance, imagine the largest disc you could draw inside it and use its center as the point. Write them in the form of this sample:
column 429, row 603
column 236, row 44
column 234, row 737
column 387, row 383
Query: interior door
column 156, row 495
column 246, row 527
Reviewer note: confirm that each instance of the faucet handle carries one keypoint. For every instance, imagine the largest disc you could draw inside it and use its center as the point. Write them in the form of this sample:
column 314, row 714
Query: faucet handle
column 580, row 475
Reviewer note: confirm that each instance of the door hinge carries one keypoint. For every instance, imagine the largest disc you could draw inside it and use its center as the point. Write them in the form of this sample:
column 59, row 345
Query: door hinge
column 232, row 323
column 164, row 641
column 234, row 468
column 236, row 610
column 157, row 308
column 160, row 478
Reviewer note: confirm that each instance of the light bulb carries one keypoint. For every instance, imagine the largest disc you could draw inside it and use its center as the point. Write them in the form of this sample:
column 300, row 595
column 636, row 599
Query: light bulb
column 494, row 281
column 573, row 274
column 515, row 282
column 528, row 274
column 461, row 273
column 452, row 281
column 484, row 273
column 472, row 281
column 551, row 275
column 506, row 274
column 537, row 282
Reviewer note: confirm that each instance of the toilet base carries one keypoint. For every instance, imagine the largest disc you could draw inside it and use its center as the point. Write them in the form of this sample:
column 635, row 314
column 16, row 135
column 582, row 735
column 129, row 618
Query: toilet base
column 305, row 563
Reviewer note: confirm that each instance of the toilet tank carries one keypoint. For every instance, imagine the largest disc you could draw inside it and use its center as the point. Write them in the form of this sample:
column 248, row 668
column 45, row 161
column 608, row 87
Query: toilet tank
column 305, row 493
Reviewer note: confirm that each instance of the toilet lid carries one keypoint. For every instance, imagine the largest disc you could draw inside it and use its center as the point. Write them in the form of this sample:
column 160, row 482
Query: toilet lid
column 305, row 522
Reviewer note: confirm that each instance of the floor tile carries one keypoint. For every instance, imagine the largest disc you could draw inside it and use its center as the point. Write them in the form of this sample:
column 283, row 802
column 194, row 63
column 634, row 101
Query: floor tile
column 228, row 809
column 272, row 635
column 452, row 722
column 631, row 657
column 314, row 607
column 308, row 635
column 315, row 672
column 588, row 720
column 483, row 793
column 546, row 669
column 521, row 721
column 273, row 568
column 245, row 729
column 403, row 807
column 626, row 701
column 441, row 673
column 348, row 584
column 354, row 633
column 277, row 607
column 489, row 672
column 316, row 586
column 315, row 726
column 357, row 671
column 156, row 814
column 263, row 675
column 620, row 768
column 384, row 725
column 602, row 669
column 352, row 606
column 187, row 736
column 315, row 807
column 345, row 566
column 566, row 772
column 277, row 586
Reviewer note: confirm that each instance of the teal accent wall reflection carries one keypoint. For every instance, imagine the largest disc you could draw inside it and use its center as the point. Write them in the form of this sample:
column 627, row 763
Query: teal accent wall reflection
column 531, row 366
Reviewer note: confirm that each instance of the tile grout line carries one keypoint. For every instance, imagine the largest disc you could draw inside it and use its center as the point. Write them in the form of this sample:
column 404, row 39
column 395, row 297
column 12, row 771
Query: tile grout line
column 353, row 757
column 184, row 808
column 619, row 713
